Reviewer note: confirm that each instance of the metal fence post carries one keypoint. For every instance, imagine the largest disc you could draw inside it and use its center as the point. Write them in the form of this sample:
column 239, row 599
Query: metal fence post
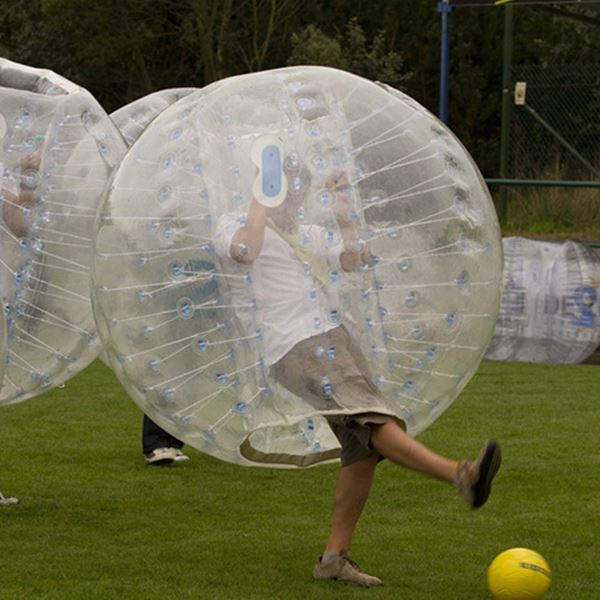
column 506, row 105
column 445, row 9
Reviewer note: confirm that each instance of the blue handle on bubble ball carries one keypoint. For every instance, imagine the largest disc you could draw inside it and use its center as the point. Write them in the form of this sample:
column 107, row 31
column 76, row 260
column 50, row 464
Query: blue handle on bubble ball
column 270, row 185
column 271, row 171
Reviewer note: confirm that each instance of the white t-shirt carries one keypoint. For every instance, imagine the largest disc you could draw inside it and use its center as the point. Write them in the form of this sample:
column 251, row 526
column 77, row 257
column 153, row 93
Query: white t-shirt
column 278, row 294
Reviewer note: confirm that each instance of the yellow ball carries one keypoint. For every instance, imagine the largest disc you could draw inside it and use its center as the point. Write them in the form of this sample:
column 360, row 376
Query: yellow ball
column 518, row 574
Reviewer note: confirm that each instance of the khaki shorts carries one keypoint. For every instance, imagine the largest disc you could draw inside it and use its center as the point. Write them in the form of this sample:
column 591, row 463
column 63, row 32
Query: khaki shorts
column 330, row 373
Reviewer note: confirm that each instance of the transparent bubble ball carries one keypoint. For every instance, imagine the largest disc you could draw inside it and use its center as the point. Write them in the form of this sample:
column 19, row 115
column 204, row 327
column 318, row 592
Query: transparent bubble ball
column 134, row 117
column 58, row 149
column 196, row 337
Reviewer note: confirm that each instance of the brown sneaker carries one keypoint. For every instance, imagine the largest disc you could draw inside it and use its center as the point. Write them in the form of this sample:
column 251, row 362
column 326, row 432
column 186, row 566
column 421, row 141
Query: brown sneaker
column 343, row 568
column 474, row 478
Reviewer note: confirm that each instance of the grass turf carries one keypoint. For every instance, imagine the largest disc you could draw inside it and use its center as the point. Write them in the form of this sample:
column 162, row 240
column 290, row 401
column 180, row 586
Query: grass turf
column 95, row 522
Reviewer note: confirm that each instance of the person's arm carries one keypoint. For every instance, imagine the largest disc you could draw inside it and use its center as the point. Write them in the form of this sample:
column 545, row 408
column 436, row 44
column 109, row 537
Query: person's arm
column 247, row 241
column 12, row 213
column 353, row 256
column 22, row 195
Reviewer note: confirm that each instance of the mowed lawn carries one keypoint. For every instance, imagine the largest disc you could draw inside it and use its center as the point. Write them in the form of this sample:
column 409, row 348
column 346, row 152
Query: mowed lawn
column 95, row 522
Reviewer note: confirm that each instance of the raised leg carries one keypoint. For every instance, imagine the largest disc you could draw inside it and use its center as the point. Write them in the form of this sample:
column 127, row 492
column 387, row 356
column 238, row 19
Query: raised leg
column 391, row 441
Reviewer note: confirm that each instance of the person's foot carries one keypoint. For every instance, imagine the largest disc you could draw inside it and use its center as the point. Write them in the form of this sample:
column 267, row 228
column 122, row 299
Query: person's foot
column 6, row 500
column 474, row 478
column 161, row 456
column 342, row 568
column 179, row 455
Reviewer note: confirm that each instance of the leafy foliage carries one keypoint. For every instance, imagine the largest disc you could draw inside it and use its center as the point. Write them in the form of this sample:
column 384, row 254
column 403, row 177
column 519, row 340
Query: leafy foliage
column 351, row 52
column 121, row 50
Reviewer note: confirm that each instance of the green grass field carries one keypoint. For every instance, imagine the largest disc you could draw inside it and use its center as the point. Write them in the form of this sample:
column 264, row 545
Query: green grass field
column 95, row 522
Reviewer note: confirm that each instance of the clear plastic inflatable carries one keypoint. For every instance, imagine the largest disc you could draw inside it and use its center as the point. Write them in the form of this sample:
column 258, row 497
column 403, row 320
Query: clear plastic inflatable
column 382, row 232
column 549, row 311
column 58, row 149
column 134, row 117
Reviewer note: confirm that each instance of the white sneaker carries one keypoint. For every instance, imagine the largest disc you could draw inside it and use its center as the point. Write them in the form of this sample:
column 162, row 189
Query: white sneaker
column 179, row 455
column 161, row 456
column 5, row 501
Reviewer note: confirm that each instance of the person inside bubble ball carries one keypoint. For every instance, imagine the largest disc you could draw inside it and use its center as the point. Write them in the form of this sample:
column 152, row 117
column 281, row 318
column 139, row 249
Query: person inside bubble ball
column 265, row 240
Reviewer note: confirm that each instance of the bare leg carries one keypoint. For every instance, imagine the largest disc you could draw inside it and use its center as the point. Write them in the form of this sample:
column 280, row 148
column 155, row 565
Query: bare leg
column 355, row 480
column 351, row 493
column 391, row 441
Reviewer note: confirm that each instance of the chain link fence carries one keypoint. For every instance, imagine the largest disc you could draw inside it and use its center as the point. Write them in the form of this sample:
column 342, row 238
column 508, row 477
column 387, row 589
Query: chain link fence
column 555, row 135
column 555, row 130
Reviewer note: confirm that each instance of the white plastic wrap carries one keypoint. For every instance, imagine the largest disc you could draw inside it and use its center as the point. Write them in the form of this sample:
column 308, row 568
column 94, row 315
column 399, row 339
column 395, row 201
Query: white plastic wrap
column 549, row 310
